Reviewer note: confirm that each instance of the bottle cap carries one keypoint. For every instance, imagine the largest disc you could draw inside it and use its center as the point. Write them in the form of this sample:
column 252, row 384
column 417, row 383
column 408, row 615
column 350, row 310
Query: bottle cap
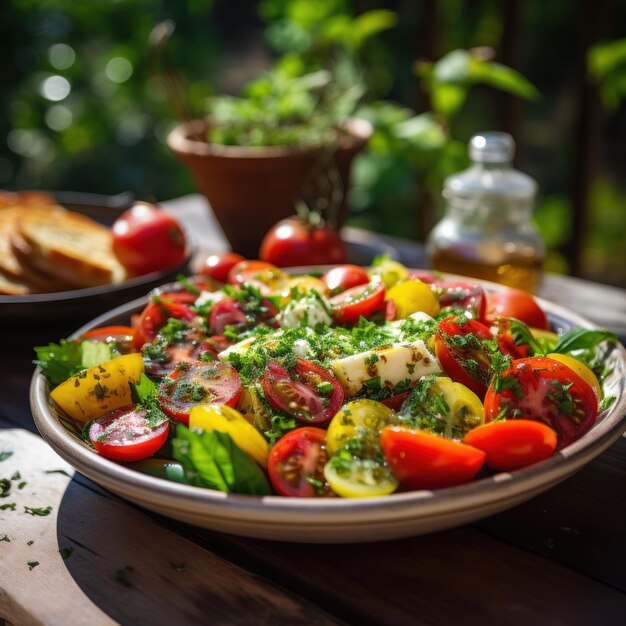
column 492, row 147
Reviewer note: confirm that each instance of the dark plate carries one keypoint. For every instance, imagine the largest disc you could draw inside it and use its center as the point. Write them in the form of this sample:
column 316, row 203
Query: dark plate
column 82, row 304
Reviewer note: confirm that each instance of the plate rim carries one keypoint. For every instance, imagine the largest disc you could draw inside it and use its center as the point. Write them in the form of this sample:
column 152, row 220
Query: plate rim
column 327, row 513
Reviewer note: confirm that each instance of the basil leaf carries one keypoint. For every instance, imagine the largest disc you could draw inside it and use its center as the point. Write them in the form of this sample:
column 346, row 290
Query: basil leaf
column 582, row 339
column 213, row 460
column 59, row 361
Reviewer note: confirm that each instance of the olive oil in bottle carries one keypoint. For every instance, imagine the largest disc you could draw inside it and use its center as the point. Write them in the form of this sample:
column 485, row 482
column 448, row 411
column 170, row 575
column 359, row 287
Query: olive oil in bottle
column 486, row 231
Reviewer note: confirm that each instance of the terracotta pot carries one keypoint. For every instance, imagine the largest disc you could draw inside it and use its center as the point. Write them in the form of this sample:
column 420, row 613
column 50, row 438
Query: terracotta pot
column 250, row 189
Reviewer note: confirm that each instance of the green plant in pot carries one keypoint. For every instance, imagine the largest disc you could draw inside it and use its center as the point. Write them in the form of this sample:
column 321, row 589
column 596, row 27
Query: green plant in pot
column 287, row 141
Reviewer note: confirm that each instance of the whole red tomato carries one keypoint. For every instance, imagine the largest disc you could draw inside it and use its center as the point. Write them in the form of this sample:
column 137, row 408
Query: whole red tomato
column 146, row 239
column 294, row 241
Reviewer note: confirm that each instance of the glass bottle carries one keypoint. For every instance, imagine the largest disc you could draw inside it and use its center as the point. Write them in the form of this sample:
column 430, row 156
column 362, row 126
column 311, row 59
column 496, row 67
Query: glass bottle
column 486, row 231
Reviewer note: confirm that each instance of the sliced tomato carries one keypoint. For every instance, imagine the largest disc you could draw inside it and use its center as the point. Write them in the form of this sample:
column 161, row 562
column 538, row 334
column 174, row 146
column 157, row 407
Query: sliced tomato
column 461, row 354
column 361, row 301
column 506, row 341
column 198, row 383
column 421, row 460
column 345, row 277
column 512, row 444
column 126, row 435
column 542, row 389
column 217, row 344
column 515, row 303
column 313, row 395
column 121, row 336
column 264, row 276
column 463, row 294
column 164, row 358
column 296, row 464
column 226, row 312
column 396, row 402
column 155, row 315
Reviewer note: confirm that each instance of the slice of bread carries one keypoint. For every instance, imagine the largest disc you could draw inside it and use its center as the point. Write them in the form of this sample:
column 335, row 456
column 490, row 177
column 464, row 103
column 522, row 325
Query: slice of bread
column 71, row 246
column 14, row 256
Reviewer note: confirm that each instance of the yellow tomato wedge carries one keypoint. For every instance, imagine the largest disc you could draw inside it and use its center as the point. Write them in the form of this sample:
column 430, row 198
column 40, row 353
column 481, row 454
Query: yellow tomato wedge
column 412, row 296
column 579, row 368
column 227, row 420
column 389, row 271
column 252, row 407
column 303, row 285
column 99, row 389
column 465, row 408
column 360, row 478
column 359, row 419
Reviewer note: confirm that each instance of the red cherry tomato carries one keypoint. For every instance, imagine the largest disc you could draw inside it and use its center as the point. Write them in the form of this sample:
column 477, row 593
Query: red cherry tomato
column 345, row 277
column 361, row 301
column 264, row 276
column 507, row 343
column 146, row 239
column 421, row 460
column 512, row 444
column 457, row 293
column 465, row 361
column 126, row 435
column 515, row 303
column 155, row 315
column 296, row 464
column 198, row 383
column 217, row 266
column 121, row 336
column 542, row 389
column 314, row 395
column 294, row 241
column 167, row 355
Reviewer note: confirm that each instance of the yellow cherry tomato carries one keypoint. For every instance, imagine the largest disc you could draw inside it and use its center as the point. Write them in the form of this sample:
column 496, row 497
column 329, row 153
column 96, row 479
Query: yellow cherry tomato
column 227, row 420
column 360, row 478
column 465, row 410
column 359, row 419
column 303, row 285
column 99, row 389
column 581, row 369
column 389, row 271
column 412, row 296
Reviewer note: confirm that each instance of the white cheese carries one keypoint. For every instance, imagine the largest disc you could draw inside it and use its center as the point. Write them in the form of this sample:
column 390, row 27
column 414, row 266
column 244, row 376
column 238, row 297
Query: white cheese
column 305, row 312
column 393, row 364
column 302, row 349
column 211, row 297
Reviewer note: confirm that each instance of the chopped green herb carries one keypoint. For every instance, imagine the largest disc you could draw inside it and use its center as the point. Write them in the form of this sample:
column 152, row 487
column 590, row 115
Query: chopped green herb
column 607, row 402
column 5, row 538
column 32, row 565
column 8, row 507
column 5, row 487
column 30, row 543
column 38, row 511
column 66, row 553
column 325, row 388
column 122, row 575
column 178, row 566
column 5, row 454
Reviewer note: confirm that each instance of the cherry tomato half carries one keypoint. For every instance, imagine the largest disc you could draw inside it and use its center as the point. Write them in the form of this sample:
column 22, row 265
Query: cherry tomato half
column 345, row 277
column 421, row 460
column 264, row 276
column 226, row 312
column 542, row 389
column 512, row 444
column 294, row 241
column 198, row 383
column 313, row 396
column 217, row 266
column 296, row 464
column 515, row 303
column 461, row 355
column 457, row 293
column 125, row 435
column 164, row 355
column 147, row 239
column 155, row 315
column 361, row 301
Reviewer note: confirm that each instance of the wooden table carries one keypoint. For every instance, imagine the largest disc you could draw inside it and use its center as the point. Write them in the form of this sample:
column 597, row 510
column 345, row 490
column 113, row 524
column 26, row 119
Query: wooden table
column 557, row 559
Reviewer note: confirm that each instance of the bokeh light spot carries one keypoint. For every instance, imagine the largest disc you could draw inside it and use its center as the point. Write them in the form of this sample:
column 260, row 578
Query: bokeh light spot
column 119, row 70
column 61, row 56
column 55, row 88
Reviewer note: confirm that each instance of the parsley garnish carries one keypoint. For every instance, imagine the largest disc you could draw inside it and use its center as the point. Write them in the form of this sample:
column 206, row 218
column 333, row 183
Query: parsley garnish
column 32, row 565
column 5, row 454
column 66, row 553
column 38, row 511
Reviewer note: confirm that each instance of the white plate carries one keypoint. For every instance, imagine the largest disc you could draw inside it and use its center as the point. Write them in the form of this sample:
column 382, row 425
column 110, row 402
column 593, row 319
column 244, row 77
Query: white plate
column 337, row 520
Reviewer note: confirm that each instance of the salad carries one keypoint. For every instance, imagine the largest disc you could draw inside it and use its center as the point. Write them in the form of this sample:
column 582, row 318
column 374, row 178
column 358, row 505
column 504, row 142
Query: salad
column 355, row 382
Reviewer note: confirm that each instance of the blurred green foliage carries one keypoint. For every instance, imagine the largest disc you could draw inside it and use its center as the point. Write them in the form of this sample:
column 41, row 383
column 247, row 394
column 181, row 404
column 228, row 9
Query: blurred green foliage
column 81, row 110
